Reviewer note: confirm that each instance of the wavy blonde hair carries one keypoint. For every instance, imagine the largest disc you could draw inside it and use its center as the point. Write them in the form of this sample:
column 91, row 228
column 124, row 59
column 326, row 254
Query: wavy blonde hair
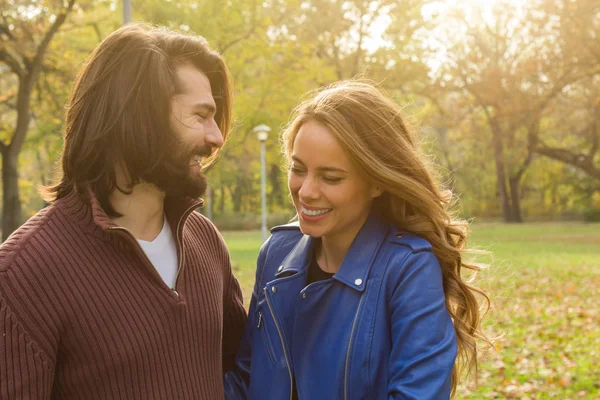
column 370, row 129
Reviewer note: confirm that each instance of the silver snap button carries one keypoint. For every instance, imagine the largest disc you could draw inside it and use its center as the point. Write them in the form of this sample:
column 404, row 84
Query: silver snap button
column 274, row 289
column 304, row 295
column 280, row 268
column 358, row 282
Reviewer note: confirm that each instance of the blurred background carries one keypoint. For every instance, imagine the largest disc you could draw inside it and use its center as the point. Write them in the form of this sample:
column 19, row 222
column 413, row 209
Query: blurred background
column 505, row 95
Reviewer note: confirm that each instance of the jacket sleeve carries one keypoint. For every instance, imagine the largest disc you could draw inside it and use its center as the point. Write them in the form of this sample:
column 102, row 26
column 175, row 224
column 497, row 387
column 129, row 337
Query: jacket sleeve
column 237, row 381
column 26, row 372
column 424, row 341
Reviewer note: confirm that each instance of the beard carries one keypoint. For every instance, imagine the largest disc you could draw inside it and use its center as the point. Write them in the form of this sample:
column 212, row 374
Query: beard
column 173, row 174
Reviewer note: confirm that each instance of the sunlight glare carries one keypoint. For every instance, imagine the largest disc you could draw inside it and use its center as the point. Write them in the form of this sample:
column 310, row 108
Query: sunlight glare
column 472, row 9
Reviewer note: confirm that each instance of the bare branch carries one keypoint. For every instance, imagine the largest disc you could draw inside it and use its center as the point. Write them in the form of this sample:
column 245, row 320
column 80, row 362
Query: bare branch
column 27, row 82
column 60, row 19
column 12, row 62
column 581, row 161
column 361, row 35
column 475, row 94
column 237, row 40
column 250, row 32
column 532, row 138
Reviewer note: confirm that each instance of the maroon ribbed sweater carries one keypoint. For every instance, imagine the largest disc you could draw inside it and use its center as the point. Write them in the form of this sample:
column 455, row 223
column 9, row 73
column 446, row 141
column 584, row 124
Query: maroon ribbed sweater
column 85, row 315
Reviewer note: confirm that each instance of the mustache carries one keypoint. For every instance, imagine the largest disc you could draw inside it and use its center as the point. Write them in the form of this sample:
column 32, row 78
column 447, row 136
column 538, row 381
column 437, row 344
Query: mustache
column 183, row 151
column 204, row 151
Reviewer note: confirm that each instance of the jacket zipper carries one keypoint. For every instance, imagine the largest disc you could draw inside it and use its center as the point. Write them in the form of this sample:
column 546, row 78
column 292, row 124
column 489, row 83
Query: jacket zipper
column 263, row 330
column 287, row 363
column 350, row 347
column 180, row 246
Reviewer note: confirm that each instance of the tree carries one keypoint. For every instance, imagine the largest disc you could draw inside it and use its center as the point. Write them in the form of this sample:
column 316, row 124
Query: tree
column 573, row 135
column 573, row 130
column 26, row 30
column 510, row 69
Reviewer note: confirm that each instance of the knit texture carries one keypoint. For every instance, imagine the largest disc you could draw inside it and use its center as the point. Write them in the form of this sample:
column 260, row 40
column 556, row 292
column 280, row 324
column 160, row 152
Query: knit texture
column 85, row 315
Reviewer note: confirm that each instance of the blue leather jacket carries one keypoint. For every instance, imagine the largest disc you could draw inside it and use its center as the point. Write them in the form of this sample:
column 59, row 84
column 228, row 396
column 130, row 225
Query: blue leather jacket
column 379, row 329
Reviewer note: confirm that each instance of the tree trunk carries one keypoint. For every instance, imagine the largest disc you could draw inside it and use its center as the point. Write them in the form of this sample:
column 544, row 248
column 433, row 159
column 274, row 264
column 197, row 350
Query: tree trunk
column 221, row 199
column 501, row 173
column 277, row 195
column 515, row 200
column 237, row 197
column 28, row 76
column 11, row 211
column 442, row 134
column 11, row 207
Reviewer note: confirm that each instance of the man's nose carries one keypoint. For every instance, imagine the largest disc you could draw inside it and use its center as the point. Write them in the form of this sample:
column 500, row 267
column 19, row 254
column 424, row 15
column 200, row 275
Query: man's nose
column 214, row 137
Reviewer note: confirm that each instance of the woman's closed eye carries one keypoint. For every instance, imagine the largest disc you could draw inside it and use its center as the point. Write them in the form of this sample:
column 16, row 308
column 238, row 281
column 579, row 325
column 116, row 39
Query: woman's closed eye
column 332, row 179
column 325, row 178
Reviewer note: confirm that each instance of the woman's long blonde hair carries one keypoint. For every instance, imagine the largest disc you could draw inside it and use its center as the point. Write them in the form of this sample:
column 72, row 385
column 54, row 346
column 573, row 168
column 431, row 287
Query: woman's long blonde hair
column 370, row 129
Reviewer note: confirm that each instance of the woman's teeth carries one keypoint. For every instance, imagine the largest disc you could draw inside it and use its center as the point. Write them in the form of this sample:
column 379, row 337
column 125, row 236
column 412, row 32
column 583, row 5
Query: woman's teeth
column 314, row 213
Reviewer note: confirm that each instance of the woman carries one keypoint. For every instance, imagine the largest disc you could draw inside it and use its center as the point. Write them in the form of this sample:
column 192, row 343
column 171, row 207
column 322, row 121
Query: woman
column 362, row 298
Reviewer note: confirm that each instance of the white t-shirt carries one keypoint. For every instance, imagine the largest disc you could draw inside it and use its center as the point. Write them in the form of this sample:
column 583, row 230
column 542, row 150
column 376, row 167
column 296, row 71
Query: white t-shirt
column 162, row 252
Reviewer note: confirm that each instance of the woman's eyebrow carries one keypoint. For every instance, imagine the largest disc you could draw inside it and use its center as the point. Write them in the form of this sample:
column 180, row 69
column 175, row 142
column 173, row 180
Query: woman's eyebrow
column 322, row 168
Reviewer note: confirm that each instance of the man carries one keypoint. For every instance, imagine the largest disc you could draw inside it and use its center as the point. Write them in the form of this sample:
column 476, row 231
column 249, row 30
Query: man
column 119, row 289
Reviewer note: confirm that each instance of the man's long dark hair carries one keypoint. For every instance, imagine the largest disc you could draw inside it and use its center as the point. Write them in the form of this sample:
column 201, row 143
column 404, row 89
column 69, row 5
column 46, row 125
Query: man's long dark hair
column 120, row 106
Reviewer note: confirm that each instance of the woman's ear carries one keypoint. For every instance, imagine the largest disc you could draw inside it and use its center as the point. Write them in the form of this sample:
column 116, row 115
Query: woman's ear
column 375, row 192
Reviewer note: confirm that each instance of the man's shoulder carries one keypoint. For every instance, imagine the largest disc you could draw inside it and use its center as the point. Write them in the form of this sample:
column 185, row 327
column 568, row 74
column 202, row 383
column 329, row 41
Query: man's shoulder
column 200, row 228
column 200, row 221
column 39, row 243
column 31, row 234
column 27, row 283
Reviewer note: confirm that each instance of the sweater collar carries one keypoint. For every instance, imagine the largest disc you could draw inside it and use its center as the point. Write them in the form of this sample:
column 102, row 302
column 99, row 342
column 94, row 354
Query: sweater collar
column 86, row 212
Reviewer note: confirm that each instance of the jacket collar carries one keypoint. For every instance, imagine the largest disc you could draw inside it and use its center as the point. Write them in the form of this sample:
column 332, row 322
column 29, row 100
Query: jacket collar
column 357, row 263
column 298, row 259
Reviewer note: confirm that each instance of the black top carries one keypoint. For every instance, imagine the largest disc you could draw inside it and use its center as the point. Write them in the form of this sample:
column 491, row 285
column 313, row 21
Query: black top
column 315, row 274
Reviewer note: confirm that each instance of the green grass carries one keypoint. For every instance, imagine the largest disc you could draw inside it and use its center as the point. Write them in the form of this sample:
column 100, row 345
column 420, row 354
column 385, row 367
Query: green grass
column 544, row 283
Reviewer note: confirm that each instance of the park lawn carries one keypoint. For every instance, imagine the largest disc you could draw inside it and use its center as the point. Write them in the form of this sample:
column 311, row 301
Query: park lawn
column 544, row 283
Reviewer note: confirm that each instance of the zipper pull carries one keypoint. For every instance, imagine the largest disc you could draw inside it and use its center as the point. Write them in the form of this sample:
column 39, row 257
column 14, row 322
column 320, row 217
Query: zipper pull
column 259, row 319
